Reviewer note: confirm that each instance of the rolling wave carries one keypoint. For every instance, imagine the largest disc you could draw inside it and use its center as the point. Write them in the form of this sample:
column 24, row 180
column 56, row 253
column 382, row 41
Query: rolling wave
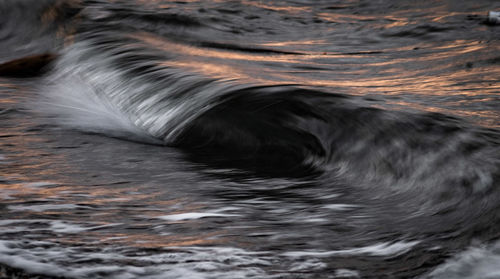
column 123, row 84
column 118, row 87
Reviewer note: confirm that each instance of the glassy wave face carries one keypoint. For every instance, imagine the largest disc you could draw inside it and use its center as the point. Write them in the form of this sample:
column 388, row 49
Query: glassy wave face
column 249, row 139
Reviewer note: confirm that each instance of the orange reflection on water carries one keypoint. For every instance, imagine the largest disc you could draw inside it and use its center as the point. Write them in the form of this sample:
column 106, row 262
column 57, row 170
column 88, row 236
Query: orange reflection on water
column 222, row 72
column 346, row 18
column 398, row 22
column 155, row 240
column 432, row 69
column 191, row 50
column 43, row 190
column 294, row 43
column 7, row 101
column 290, row 9
column 443, row 15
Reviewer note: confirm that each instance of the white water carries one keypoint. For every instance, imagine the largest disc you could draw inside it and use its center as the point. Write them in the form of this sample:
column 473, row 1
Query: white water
column 91, row 95
column 478, row 261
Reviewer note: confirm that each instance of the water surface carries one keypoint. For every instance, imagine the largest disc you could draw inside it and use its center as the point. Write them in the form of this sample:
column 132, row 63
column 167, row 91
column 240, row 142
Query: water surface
column 251, row 139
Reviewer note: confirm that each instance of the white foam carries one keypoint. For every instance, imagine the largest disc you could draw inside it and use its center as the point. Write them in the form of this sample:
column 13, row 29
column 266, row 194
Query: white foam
column 330, row 196
column 194, row 215
column 43, row 207
column 178, row 262
column 227, row 208
column 13, row 230
column 381, row 249
column 346, row 273
column 340, row 206
column 307, row 265
column 198, row 215
column 39, row 184
column 259, row 201
column 13, row 257
column 494, row 17
column 58, row 226
column 87, row 92
column 315, row 220
column 479, row 261
column 7, row 194
column 68, row 227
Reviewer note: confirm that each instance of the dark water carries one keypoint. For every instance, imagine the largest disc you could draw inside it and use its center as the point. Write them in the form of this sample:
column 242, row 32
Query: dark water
column 251, row 139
